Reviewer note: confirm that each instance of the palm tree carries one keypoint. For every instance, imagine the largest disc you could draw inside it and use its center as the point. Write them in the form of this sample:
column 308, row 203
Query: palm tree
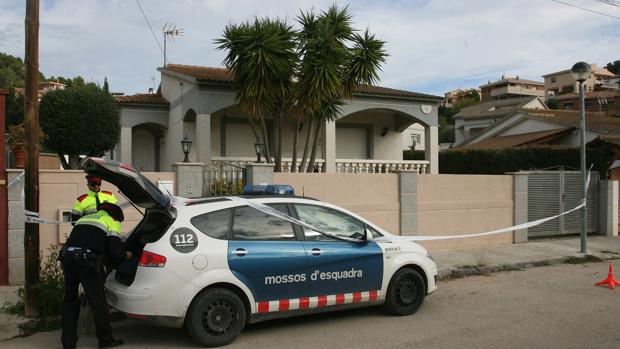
column 262, row 55
column 335, row 60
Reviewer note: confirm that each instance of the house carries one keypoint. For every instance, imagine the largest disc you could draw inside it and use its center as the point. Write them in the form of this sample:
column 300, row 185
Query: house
column 472, row 120
column 453, row 97
column 563, row 82
column 200, row 102
column 509, row 87
column 594, row 100
column 532, row 127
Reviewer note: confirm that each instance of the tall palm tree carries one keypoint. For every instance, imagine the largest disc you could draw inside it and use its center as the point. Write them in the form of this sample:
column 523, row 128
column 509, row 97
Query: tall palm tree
column 262, row 55
column 335, row 60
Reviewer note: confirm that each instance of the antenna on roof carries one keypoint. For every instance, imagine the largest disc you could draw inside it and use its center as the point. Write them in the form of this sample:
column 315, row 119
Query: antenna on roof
column 170, row 31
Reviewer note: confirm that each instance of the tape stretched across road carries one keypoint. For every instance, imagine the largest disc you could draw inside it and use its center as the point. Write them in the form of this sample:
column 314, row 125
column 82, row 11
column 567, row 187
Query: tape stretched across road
column 33, row 217
column 271, row 211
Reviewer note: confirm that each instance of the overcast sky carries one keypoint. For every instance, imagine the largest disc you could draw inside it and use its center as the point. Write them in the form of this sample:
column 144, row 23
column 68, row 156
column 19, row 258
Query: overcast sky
column 434, row 46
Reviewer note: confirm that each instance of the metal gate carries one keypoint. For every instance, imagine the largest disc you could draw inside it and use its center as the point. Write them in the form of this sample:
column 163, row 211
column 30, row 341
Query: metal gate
column 223, row 178
column 553, row 192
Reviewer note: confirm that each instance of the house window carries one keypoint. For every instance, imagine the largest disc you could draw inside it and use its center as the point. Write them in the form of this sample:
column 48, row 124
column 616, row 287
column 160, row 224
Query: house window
column 569, row 106
column 553, row 80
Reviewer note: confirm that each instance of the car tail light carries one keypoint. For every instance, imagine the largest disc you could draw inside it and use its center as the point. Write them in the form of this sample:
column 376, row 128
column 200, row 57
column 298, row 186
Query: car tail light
column 150, row 259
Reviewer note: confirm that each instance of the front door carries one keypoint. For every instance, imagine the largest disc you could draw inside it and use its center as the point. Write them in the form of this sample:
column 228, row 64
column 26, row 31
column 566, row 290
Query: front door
column 266, row 256
column 335, row 267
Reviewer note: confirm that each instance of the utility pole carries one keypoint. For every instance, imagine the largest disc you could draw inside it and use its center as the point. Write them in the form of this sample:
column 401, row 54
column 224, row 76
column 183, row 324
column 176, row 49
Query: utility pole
column 31, row 118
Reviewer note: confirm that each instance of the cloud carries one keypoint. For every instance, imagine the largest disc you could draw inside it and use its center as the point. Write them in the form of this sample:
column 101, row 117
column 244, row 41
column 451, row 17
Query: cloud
column 434, row 46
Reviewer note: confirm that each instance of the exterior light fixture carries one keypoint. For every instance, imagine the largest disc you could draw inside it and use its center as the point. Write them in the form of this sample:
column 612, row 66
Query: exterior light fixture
column 581, row 71
column 186, row 145
column 384, row 131
column 258, row 147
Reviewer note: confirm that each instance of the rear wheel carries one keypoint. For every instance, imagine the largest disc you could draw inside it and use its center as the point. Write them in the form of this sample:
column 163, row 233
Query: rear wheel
column 406, row 292
column 216, row 317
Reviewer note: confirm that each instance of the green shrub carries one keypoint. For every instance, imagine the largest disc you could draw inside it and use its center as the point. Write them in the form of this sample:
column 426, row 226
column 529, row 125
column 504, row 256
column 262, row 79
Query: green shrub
column 459, row 161
column 51, row 287
column 227, row 187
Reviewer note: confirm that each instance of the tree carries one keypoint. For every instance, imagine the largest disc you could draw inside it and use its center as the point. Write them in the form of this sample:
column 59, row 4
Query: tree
column 13, row 71
column 79, row 120
column 614, row 67
column 279, row 71
column 262, row 56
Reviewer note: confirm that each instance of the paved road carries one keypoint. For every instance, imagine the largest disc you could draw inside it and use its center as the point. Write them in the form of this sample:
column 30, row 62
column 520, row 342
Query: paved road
column 548, row 307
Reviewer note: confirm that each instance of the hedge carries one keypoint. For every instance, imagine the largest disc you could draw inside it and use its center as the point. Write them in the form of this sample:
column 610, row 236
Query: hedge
column 458, row 161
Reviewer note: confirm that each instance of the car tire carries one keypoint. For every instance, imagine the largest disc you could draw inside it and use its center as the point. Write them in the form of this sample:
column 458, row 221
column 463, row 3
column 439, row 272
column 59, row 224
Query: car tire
column 216, row 317
column 405, row 293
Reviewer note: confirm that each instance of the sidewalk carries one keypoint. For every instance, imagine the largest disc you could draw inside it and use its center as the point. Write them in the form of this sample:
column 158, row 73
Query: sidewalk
column 451, row 264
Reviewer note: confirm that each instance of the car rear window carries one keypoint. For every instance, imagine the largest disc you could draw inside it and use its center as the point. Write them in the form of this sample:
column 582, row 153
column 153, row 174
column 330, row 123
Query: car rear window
column 213, row 224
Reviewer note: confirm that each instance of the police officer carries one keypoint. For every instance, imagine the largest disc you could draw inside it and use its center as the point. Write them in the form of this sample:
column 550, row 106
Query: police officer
column 94, row 239
column 88, row 203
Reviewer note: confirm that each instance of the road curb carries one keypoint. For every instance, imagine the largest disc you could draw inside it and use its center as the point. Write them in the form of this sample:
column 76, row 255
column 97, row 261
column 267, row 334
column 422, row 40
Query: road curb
column 464, row 271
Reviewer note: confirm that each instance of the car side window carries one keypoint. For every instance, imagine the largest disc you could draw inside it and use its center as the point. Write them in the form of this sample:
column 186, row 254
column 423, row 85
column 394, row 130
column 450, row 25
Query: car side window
column 328, row 220
column 213, row 224
column 252, row 224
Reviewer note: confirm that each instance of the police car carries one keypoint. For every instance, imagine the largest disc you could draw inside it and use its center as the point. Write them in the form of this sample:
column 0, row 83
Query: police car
column 214, row 265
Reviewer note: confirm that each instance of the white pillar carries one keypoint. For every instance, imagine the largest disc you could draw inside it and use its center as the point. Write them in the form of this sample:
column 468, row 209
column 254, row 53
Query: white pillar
column 431, row 148
column 125, row 145
column 203, row 138
column 329, row 147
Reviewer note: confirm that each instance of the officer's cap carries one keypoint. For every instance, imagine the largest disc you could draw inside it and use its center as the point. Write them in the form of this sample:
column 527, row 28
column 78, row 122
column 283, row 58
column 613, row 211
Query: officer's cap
column 113, row 210
column 93, row 179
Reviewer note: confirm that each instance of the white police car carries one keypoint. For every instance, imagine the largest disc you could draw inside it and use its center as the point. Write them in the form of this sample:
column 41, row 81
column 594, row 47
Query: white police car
column 214, row 265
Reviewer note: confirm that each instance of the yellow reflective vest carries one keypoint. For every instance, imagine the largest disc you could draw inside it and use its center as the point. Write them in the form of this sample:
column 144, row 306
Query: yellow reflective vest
column 102, row 220
column 87, row 203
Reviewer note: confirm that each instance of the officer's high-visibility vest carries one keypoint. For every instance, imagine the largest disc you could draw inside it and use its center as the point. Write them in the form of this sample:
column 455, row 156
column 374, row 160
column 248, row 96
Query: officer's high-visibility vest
column 87, row 203
column 102, row 220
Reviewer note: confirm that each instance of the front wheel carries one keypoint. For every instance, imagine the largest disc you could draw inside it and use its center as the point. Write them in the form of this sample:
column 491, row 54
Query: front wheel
column 216, row 317
column 405, row 293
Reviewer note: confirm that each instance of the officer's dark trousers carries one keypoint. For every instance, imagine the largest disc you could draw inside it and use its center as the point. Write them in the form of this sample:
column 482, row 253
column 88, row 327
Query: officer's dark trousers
column 92, row 280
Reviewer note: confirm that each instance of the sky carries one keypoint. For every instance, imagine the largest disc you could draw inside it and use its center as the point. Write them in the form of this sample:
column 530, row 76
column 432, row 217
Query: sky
column 434, row 45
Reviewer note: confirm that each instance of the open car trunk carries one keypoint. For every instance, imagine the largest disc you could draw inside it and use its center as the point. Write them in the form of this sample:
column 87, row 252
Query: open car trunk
column 158, row 211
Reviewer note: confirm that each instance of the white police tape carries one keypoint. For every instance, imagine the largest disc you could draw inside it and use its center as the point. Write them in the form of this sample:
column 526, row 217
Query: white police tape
column 16, row 179
column 271, row 211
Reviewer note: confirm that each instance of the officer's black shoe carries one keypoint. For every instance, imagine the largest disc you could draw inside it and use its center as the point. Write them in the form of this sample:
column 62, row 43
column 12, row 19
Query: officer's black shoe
column 111, row 344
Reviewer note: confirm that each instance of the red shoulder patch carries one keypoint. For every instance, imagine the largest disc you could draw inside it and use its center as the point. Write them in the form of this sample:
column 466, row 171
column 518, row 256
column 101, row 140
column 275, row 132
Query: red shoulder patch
column 82, row 197
column 106, row 192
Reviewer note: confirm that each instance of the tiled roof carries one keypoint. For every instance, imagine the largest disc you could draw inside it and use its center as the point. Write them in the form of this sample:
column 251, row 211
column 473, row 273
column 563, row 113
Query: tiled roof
column 518, row 140
column 143, row 98
column 211, row 74
column 508, row 80
column 493, row 109
column 589, row 95
column 203, row 73
column 596, row 122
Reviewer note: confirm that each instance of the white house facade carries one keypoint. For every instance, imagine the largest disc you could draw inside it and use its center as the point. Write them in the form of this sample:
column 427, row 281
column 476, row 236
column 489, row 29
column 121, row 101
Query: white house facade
column 200, row 102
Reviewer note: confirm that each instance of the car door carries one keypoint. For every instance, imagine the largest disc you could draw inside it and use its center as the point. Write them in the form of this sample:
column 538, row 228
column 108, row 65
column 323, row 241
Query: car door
column 337, row 267
column 265, row 254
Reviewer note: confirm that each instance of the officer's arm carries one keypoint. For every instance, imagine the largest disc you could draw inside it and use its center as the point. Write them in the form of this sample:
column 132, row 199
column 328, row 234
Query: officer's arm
column 115, row 251
column 76, row 212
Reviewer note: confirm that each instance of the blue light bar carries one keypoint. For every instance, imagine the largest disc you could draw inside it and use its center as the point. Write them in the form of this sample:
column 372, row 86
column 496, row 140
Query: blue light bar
column 268, row 189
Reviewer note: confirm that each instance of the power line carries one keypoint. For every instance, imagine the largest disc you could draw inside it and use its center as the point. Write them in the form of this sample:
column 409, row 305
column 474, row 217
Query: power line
column 149, row 24
column 610, row 2
column 584, row 9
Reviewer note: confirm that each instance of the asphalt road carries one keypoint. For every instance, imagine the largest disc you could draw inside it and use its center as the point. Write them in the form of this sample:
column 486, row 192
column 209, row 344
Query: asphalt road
column 547, row 307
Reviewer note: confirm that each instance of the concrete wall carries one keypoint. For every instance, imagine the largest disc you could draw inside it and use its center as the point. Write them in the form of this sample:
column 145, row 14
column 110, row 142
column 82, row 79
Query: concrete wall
column 464, row 204
column 372, row 196
column 411, row 204
column 57, row 192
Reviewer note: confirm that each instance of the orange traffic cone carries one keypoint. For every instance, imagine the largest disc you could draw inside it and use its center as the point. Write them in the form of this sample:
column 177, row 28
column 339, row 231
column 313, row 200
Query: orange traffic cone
column 610, row 279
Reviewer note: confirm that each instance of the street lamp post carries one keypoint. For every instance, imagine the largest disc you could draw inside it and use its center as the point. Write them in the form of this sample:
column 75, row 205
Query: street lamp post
column 186, row 145
column 258, row 147
column 581, row 72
